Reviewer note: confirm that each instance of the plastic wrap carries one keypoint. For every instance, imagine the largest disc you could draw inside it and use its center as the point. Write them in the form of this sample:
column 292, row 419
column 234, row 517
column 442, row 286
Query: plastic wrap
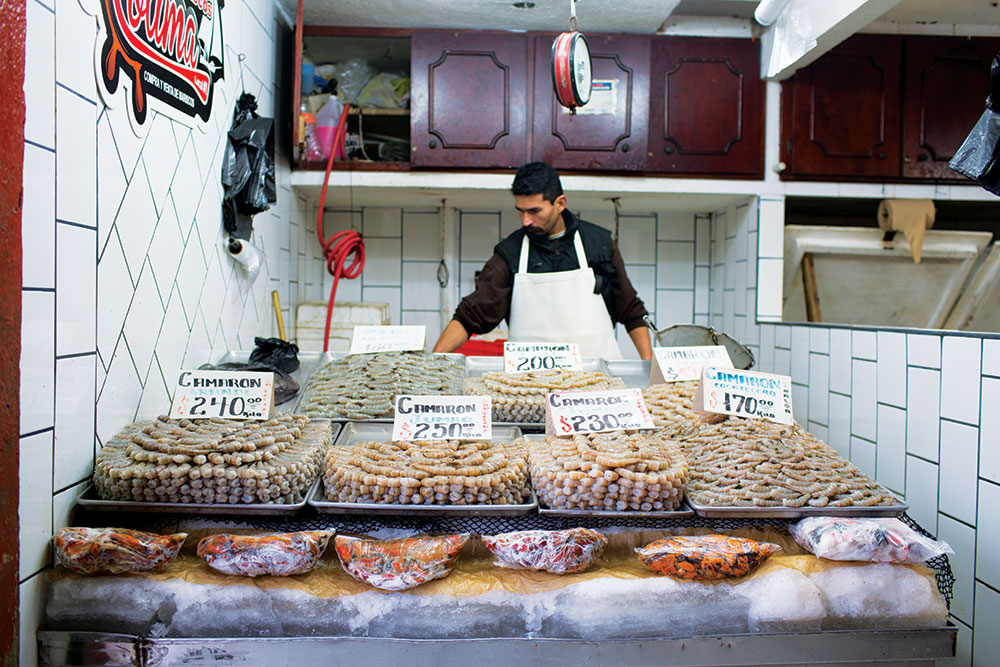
column 876, row 540
column 115, row 550
column 978, row 157
column 352, row 75
column 705, row 556
column 278, row 554
column 396, row 565
column 385, row 91
column 555, row 551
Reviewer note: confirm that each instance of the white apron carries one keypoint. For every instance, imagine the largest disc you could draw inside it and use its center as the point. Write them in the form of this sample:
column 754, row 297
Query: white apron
column 561, row 307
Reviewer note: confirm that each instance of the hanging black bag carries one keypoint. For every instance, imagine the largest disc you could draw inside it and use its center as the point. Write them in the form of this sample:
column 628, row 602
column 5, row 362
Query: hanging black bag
column 979, row 156
column 247, row 168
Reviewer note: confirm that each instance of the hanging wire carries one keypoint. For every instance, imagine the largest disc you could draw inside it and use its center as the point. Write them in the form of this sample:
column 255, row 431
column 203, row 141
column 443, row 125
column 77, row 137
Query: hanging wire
column 572, row 15
column 240, row 58
column 617, row 203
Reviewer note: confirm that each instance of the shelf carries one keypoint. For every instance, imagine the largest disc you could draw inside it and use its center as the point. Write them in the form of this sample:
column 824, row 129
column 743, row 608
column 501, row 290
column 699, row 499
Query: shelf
column 372, row 111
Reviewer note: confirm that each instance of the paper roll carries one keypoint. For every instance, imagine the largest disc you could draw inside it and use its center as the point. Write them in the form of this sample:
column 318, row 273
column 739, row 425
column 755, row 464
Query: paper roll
column 910, row 216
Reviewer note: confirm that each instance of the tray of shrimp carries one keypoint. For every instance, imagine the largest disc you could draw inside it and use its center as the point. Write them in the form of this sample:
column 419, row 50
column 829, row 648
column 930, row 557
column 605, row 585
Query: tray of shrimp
column 366, row 472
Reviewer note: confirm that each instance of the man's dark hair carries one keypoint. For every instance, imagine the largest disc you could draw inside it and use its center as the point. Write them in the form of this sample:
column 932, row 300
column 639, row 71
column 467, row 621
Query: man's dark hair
column 537, row 177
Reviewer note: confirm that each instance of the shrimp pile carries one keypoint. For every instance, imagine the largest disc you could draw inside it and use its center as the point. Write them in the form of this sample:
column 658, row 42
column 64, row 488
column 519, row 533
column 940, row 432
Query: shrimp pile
column 520, row 397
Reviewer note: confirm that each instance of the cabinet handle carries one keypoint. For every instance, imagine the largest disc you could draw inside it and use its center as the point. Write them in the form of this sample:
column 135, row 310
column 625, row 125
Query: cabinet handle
column 907, row 160
column 923, row 157
column 882, row 155
column 669, row 150
column 433, row 143
column 625, row 148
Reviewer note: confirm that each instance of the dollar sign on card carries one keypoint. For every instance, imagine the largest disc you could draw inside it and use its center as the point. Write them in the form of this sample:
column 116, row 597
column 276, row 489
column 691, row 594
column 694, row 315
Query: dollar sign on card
column 182, row 405
column 566, row 427
column 712, row 399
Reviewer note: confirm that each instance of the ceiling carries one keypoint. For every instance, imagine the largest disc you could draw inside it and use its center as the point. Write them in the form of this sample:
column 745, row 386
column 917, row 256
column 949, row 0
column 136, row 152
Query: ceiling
column 630, row 16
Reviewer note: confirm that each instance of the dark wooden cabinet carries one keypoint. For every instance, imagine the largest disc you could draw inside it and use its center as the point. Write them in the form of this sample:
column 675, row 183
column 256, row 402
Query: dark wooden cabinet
column 468, row 99
column 944, row 92
column 840, row 115
column 706, row 109
column 611, row 132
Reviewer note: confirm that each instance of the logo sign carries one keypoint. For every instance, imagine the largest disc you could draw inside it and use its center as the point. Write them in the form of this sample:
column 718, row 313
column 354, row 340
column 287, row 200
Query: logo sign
column 572, row 412
column 678, row 364
column 367, row 340
column 229, row 394
column 524, row 357
column 443, row 418
column 168, row 54
column 745, row 394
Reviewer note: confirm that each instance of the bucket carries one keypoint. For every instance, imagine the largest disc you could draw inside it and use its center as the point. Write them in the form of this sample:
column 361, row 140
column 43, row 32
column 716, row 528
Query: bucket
column 690, row 335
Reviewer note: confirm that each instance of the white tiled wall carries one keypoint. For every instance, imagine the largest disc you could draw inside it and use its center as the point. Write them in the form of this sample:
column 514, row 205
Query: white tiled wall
column 918, row 411
column 125, row 280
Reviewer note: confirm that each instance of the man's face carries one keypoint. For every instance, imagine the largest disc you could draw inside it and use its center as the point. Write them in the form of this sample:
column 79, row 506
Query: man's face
column 539, row 216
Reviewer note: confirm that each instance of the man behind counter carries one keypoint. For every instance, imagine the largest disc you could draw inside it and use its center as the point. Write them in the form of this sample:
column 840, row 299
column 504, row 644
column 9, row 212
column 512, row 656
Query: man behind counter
column 535, row 281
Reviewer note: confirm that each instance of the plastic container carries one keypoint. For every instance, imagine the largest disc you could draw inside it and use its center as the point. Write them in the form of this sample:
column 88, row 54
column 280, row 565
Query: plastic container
column 326, row 125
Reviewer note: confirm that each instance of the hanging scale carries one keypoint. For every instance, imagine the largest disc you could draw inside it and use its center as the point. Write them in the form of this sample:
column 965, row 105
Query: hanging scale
column 571, row 71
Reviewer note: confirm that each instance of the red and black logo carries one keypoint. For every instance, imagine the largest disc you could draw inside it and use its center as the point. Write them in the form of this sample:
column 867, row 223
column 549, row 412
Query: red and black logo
column 172, row 50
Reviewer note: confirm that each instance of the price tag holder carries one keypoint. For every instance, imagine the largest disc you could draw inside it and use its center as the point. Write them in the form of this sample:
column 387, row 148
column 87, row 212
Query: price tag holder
column 228, row 394
column 679, row 364
column 525, row 357
column 368, row 340
column 443, row 418
column 745, row 394
column 572, row 412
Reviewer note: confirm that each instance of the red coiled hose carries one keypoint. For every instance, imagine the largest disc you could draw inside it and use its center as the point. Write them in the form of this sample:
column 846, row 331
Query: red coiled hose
column 339, row 247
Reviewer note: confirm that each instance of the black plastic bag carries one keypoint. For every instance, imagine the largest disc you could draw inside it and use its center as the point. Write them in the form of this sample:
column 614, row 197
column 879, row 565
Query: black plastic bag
column 276, row 352
column 247, row 168
column 979, row 156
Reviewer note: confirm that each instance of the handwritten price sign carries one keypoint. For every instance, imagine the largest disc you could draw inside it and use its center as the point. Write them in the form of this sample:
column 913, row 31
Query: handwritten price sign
column 368, row 340
column 745, row 394
column 678, row 364
column 443, row 418
column 524, row 357
column 572, row 412
column 228, row 394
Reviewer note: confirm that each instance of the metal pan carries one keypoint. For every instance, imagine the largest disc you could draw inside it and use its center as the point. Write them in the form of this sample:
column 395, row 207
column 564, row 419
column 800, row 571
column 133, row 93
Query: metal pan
column 354, row 432
column 685, row 335
column 723, row 512
column 327, row 357
column 91, row 501
column 680, row 513
column 633, row 372
column 307, row 364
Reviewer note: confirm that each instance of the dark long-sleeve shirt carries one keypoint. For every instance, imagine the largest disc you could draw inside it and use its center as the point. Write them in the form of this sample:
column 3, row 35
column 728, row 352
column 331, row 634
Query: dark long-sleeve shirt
column 484, row 309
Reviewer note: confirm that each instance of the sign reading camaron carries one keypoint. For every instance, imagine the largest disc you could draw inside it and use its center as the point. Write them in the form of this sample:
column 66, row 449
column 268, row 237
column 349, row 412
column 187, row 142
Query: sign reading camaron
column 227, row 394
column 160, row 55
column 443, row 418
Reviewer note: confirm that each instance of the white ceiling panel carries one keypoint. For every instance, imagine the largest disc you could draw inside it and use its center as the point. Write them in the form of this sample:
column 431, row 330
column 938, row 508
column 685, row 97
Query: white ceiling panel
column 631, row 16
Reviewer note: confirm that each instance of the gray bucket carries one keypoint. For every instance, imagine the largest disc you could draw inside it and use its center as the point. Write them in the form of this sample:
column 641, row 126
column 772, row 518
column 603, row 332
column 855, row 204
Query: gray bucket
column 689, row 335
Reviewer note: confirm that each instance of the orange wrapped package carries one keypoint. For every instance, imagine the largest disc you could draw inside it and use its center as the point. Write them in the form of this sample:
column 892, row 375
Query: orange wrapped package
column 279, row 554
column 705, row 556
column 115, row 550
column 396, row 565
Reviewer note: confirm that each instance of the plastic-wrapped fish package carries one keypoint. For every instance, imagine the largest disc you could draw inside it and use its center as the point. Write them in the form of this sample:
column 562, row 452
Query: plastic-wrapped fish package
column 705, row 556
column 555, row 551
column 396, row 565
column 881, row 540
column 115, row 550
column 279, row 554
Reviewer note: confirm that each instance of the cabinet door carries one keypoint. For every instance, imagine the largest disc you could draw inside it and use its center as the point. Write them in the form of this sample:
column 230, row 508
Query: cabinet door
column 468, row 99
column 843, row 115
column 706, row 108
column 944, row 93
column 610, row 132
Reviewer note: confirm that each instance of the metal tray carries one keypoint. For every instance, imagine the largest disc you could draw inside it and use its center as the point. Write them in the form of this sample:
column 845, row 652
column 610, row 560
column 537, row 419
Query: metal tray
column 91, row 501
column 684, row 512
column 327, row 357
column 354, row 432
column 634, row 372
column 724, row 512
column 308, row 362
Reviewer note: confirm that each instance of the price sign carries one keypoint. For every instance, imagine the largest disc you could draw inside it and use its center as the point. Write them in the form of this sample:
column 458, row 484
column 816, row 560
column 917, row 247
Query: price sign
column 524, row 357
column 572, row 412
column 678, row 364
column 367, row 340
column 443, row 418
column 745, row 394
column 228, row 394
